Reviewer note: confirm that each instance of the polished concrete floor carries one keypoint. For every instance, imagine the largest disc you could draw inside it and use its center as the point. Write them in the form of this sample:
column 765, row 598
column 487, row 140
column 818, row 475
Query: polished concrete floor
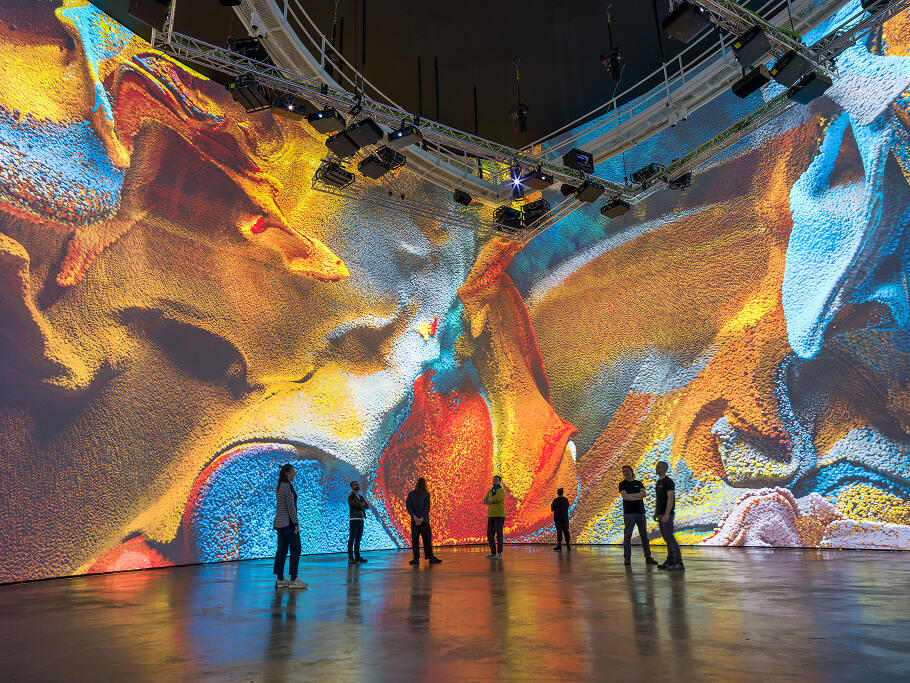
column 736, row 614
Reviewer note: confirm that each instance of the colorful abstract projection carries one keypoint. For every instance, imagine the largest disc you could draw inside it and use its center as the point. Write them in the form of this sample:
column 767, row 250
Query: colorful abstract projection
column 180, row 314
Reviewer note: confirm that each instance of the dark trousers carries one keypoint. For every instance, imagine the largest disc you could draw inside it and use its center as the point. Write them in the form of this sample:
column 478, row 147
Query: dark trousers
column 562, row 530
column 423, row 531
column 494, row 533
column 287, row 539
column 632, row 521
column 355, row 533
column 666, row 531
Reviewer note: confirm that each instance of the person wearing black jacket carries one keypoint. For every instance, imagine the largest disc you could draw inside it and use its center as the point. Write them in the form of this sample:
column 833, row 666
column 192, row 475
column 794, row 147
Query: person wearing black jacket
column 560, row 508
column 418, row 507
column 358, row 506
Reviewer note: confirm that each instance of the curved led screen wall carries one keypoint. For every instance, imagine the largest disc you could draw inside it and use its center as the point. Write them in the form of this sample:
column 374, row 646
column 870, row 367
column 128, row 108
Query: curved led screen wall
column 181, row 314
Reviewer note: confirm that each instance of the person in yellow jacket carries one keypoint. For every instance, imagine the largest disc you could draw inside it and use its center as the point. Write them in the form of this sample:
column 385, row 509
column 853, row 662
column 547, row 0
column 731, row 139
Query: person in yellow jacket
column 495, row 500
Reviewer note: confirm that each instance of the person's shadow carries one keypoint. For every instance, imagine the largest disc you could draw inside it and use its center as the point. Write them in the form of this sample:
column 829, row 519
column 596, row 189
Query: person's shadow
column 420, row 602
column 282, row 634
column 354, row 604
column 644, row 611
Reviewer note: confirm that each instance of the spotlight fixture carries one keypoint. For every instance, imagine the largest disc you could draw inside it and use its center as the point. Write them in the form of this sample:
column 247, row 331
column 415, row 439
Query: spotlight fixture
column 508, row 218
column 610, row 60
column 645, row 174
column 406, row 135
column 579, row 160
column 518, row 189
column 681, row 182
column 685, row 22
column 286, row 108
column 247, row 92
column 342, row 145
column 390, row 157
column 809, row 87
column 373, row 167
column 334, row 174
column 752, row 81
column 615, row 208
column 751, row 47
column 534, row 211
column 589, row 192
column 326, row 121
column 567, row 189
column 366, row 132
column 462, row 197
column 519, row 115
column 789, row 68
column 536, row 180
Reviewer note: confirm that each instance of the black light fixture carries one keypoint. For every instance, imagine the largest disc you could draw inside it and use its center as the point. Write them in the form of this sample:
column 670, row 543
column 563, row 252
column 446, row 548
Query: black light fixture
column 247, row 92
column 809, row 87
column 230, row 3
column 567, row 189
column 534, row 211
column 752, row 81
column 462, row 197
column 751, row 47
column 251, row 48
column 342, row 145
column 285, row 107
column 390, row 157
column 685, row 22
column 536, row 180
column 407, row 134
column 615, row 208
column 645, row 174
column 508, row 218
column 334, row 174
column 610, row 60
column 589, row 192
column 373, row 167
column 519, row 114
column 366, row 132
column 327, row 121
column 579, row 160
column 790, row 68
column 682, row 182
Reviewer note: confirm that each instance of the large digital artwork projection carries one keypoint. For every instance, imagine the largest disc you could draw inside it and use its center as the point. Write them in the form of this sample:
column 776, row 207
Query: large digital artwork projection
column 180, row 314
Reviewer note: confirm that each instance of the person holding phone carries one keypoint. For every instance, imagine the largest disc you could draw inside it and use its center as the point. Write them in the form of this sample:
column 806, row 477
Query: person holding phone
column 418, row 507
column 495, row 500
column 288, row 529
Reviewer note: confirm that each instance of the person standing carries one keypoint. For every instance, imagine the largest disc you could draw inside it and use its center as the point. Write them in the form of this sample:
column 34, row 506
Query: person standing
column 288, row 530
column 358, row 507
column 495, row 500
column 560, row 508
column 665, row 512
column 633, row 493
column 418, row 507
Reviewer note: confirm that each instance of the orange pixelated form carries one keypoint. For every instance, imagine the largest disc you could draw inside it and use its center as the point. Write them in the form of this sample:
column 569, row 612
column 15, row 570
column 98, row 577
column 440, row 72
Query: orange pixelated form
column 132, row 554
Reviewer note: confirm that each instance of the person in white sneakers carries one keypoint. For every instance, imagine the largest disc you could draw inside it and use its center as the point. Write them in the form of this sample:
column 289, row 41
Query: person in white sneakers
column 288, row 529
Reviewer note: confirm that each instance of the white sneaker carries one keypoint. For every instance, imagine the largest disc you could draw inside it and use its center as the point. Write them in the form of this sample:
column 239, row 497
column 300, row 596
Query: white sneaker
column 491, row 556
column 281, row 583
column 296, row 583
column 498, row 556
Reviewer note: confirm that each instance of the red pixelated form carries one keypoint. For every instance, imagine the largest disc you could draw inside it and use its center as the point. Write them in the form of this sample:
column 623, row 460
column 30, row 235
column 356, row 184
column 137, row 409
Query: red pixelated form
column 434, row 325
column 132, row 554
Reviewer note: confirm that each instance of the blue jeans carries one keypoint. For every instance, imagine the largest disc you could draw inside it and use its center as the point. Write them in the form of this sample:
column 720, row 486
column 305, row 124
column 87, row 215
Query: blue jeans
column 287, row 539
column 355, row 533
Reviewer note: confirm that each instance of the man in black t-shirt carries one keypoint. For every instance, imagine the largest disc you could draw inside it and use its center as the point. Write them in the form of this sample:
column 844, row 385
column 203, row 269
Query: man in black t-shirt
column 633, row 514
column 664, row 513
column 560, row 508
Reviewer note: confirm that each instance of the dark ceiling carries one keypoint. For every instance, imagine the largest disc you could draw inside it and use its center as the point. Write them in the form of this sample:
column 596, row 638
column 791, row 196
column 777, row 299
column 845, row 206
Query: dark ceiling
column 475, row 43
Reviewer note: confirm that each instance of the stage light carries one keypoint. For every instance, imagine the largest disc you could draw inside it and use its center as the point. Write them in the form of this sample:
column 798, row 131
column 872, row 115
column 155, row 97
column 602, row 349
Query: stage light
column 342, row 145
column 615, row 208
column 519, row 115
column 645, row 174
column 373, row 167
column 536, row 180
column 508, row 218
column 752, row 81
column 809, row 87
column 404, row 136
column 589, row 192
column 390, row 157
column 790, row 68
column 534, row 211
column 286, row 108
column 751, row 47
column 685, row 22
column 334, row 174
column 326, row 121
column 567, row 189
column 518, row 189
column 247, row 92
column 681, row 182
column 610, row 60
column 462, row 197
column 366, row 132
column 579, row 160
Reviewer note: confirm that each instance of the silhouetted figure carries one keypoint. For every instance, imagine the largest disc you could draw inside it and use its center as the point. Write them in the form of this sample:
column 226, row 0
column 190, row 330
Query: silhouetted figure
column 358, row 507
column 495, row 500
column 560, row 508
column 418, row 506
column 633, row 493
column 665, row 512
column 286, row 526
